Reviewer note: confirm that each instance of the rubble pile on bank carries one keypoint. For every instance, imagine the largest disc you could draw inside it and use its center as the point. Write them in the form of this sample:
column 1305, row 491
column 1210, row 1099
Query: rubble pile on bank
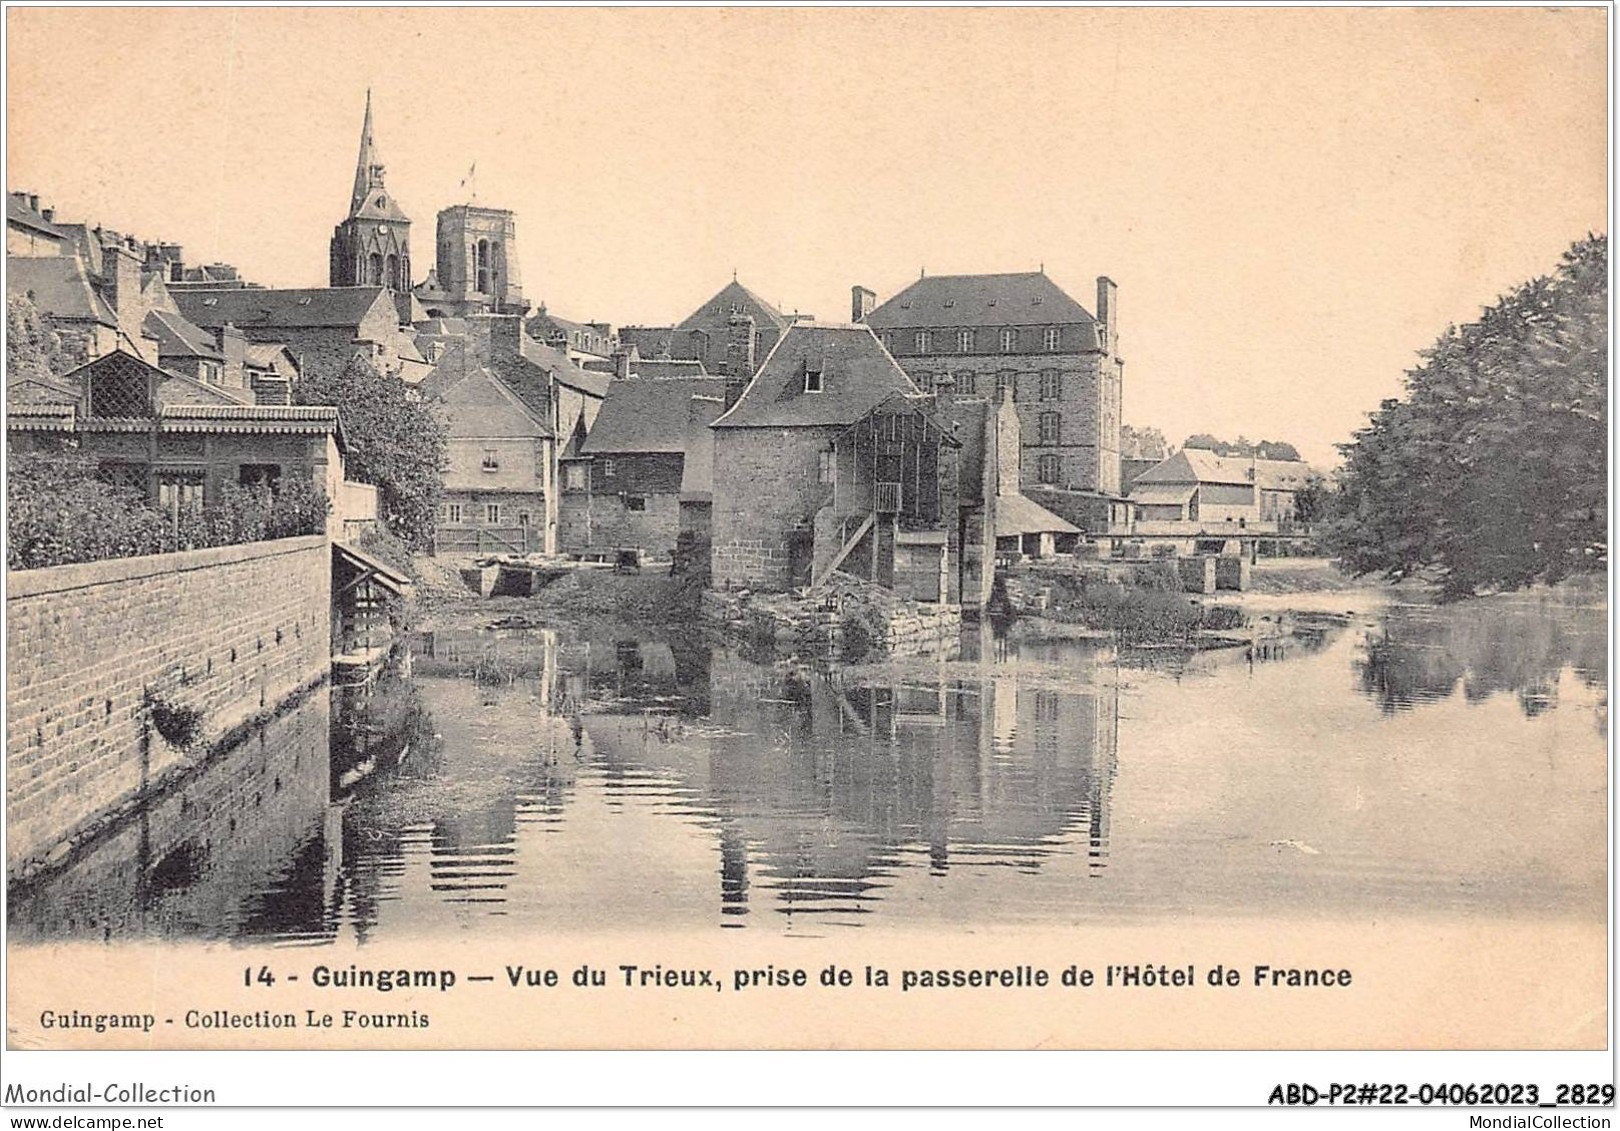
column 823, row 621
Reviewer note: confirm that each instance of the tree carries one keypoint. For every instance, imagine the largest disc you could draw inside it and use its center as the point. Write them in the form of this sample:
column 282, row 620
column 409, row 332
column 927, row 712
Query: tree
column 393, row 442
column 1243, row 446
column 1142, row 443
column 1492, row 472
column 34, row 347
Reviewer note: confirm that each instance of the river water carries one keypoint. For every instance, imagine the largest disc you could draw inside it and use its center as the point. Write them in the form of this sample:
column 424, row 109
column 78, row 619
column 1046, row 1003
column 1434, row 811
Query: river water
column 1396, row 759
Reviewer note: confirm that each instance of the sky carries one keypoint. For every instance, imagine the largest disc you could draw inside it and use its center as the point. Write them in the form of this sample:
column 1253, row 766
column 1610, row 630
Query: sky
column 1293, row 202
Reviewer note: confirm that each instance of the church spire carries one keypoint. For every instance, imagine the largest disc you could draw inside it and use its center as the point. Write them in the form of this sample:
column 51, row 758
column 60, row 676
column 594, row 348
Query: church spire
column 368, row 174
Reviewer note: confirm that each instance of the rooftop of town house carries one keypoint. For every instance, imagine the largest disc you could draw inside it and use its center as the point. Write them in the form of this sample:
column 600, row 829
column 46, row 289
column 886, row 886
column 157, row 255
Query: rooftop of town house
column 482, row 405
column 303, row 308
column 1027, row 298
column 1017, row 515
column 640, row 415
column 734, row 298
column 178, row 337
column 20, row 210
column 818, row 374
column 267, row 354
column 543, row 321
column 59, row 286
column 1197, row 465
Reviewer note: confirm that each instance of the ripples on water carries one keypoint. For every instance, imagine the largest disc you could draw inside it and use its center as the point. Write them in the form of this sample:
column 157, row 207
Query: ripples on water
column 526, row 780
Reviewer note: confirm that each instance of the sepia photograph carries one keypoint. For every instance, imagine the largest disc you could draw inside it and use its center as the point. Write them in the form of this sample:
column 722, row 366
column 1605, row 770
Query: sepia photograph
column 806, row 529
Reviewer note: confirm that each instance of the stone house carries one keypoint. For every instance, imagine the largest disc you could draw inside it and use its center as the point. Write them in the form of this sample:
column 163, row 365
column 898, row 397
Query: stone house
column 322, row 328
column 729, row 334
column 177, row 439
column 29, row 230
column 639, row 477
column 1057, row 362
column 831, row 459
column 499, row 494
column 1196, row 497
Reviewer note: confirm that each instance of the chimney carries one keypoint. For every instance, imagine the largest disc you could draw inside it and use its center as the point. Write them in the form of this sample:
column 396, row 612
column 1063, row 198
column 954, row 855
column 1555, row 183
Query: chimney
column 1108, row 313
column 505, row 336
column 121, row 278
column 861, row 303
column 33, row 202
column 232, row 345
column 621, row 362
column 944, row 392
column 740, row 339
column 49, row 214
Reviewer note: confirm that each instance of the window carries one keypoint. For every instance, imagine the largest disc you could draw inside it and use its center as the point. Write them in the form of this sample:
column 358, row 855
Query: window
column 492, row 461
column 576, row 477
column 923, row 381
column 1009, row 340
column 452, row 512
column 964, row 341
column 635, row 502
column 891, row 427
column 254, row 474
column 523, row 518
column 1051, row 385
column 608, row 469
column 1050, row 424
column 1007, row 385
column 492, row 514
column 1047, row 469
column 210, row 372
column 812, row 378
column 180, row 490
column 888, row 339
column 1054, row 339
column 921, row 341
column 826, row 466
column 967, row 383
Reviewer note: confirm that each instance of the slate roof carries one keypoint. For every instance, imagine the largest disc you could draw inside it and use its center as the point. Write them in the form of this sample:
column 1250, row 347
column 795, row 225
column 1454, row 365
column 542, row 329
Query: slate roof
column 856, row 374
column 648, row 416
column 1018, row 515
column 267, row 354
column 734, row 294
column 310, row 308
column 661, row 369
column 18, row 212
column 176, row 337
column 943, row 301
column 59, row 286
column 1196, row 465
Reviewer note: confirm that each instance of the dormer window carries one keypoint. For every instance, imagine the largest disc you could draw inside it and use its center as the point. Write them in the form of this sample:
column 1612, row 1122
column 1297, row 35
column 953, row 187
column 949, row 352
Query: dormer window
column 812, row 378
column 950, row 302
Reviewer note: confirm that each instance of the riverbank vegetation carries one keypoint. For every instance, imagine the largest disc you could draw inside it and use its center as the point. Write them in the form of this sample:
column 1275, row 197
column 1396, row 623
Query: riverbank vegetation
column 1139, row 614
column 1491, row 473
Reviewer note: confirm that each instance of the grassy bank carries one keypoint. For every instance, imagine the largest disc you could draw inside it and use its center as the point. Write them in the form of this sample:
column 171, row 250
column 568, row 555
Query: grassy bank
column 1138, row 614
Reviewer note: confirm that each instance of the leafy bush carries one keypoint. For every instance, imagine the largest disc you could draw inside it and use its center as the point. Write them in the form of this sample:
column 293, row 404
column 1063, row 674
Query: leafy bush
column 180, row 726
column 58, row 513
column 863, row 630
column 1151, row 614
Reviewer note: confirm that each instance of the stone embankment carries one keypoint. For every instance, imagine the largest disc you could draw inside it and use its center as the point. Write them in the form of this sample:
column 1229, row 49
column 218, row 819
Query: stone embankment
column 845, row 618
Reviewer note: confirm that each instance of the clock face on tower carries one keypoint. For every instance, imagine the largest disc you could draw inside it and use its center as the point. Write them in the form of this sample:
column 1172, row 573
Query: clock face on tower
column 382, row 229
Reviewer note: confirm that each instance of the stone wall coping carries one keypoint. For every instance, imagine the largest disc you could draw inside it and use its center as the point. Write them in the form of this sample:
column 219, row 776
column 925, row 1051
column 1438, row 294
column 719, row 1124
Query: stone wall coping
column 24, row 583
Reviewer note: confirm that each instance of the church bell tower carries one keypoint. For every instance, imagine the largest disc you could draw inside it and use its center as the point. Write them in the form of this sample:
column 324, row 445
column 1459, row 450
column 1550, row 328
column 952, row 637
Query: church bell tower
column 372, row 247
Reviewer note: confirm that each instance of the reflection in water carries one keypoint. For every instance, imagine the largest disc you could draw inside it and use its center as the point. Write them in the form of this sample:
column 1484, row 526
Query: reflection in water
column 1518, row 643
column 529, row 779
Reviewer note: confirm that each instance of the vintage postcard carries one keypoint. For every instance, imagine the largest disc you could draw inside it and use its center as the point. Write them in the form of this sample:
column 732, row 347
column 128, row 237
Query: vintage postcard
column 808, row 529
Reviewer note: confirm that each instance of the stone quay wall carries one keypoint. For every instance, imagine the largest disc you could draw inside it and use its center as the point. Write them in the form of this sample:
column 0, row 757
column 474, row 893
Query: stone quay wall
column 230, row 633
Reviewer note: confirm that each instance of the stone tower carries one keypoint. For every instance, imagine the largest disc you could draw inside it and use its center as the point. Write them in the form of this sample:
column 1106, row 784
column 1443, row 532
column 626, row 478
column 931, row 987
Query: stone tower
column 372, row 247
column 477, row 259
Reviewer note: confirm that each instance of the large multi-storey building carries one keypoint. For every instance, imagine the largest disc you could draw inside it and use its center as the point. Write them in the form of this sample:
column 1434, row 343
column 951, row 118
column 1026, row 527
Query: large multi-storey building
column 372, row 246
column 1020, row 333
